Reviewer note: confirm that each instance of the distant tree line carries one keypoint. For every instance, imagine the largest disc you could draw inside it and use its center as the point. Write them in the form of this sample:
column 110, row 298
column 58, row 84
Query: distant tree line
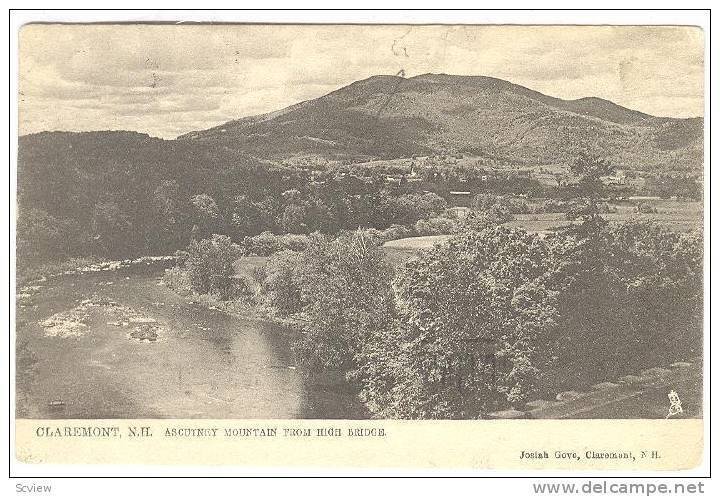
column 121, row 194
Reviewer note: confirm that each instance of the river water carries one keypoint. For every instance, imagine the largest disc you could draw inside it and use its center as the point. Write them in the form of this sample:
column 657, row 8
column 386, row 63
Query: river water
column 204, row 364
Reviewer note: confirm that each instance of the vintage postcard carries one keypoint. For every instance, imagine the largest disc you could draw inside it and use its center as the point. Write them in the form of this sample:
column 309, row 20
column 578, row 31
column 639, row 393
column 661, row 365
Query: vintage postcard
column 464, row 246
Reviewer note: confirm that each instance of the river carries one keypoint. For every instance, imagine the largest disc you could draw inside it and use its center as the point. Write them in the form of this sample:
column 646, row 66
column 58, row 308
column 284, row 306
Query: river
column 204, row 364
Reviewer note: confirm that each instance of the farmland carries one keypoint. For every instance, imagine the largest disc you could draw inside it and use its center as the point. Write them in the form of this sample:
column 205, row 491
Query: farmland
column 673, row 215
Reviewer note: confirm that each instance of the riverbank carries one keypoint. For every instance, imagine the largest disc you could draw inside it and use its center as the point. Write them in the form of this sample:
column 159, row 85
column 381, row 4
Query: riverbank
column 203, row 363
column 248, row 305
column 33, row 274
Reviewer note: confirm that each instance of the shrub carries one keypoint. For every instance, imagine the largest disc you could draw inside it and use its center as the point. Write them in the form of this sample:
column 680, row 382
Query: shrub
column 264, row 244
column 550, row 206
column 479, row 220
column 280, row 282
column 645, row 208
column 267, row 243
column 582, row 209
column 296, row 243
column 178, row 280
column 486, row 202
column 436, row 226
column 409, row 208
column 495, row 209
column 396, row 232
column 210, row 266
column 376, row 236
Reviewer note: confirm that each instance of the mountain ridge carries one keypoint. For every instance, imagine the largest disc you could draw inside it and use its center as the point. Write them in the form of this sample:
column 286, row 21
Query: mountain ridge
column 386, row 116
column 390, row 116
column 574, row 105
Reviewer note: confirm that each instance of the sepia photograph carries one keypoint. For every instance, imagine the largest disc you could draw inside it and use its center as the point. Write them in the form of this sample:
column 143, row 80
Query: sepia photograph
column 360, row 243
column 446, row 222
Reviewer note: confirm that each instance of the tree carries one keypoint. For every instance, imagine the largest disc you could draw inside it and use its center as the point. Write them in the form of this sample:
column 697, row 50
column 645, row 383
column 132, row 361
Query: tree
column 489, row 209
column 210, row 266
column 630, row 292
column 589, row 170
column 168, row 229
column 293, row 219
column 281, row 282
column 206, row 215
column 666, row 186
column 473, row 317
column 42, row 237
column 437, row 226
column 112, row 229
column 346, row 296
column 409, row 208
column 250, row 218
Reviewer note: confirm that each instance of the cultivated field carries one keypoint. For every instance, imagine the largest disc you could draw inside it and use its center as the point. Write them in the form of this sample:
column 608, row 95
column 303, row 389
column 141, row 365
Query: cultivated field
column 672, row 214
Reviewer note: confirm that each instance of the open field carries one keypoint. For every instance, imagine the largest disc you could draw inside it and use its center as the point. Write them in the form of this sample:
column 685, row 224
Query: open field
column 398, row 251
column 672, row 214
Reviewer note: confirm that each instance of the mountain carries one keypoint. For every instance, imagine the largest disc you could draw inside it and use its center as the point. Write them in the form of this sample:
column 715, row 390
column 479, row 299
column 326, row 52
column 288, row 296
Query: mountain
column 389, row 116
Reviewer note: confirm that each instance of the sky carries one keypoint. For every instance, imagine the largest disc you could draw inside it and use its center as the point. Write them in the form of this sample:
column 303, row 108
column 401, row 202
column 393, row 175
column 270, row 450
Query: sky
column 166, row 80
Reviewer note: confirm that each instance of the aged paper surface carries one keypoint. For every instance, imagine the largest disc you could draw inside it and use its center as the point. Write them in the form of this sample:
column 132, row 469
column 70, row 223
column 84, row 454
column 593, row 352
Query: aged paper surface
column 520, row 444
column 431, row 246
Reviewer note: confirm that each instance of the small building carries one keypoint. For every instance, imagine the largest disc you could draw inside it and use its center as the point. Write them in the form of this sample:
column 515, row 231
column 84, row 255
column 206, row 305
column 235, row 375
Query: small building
column 459, row 212
column 618, row 179
column 638, row 198
column 460, row 198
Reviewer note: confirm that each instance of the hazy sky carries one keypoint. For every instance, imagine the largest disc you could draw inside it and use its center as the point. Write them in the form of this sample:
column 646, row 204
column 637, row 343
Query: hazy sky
column 166, row 80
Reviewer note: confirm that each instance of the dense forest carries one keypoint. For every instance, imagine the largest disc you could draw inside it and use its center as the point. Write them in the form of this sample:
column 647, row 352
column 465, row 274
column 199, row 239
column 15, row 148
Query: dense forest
column 121, row 194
